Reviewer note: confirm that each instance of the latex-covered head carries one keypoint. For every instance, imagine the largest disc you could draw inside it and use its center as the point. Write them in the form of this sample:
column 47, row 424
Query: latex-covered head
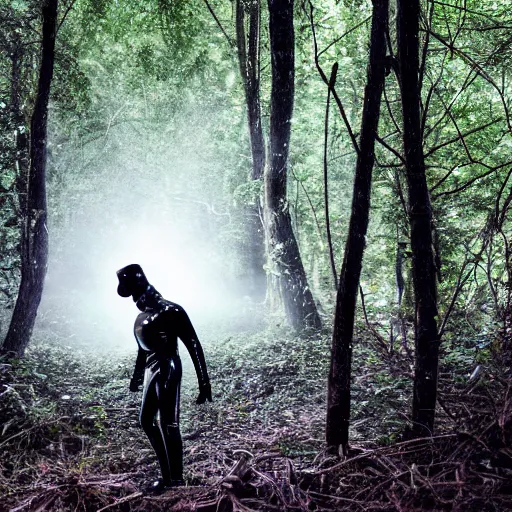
column 132, row 281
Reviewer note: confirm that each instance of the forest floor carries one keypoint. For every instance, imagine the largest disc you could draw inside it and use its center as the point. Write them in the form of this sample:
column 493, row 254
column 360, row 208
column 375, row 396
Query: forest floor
column 70, row 439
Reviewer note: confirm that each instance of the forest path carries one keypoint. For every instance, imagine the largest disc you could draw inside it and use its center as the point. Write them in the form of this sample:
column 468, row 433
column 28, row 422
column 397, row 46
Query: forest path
column 268, row 399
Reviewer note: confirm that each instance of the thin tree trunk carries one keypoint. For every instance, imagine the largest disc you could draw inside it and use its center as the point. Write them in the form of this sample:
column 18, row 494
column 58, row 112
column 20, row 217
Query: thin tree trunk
column 332, row 83
column 338, row 400
column 34, row 248
column 420, row 218
column 249, row 61
column 283, row 249
column 21, row 136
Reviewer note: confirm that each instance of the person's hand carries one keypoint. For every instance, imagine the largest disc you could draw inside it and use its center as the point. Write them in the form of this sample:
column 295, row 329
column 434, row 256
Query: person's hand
column 205, row 393
column 135, row 385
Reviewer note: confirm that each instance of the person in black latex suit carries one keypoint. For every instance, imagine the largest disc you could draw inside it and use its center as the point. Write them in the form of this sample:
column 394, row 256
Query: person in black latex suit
column 158, row 369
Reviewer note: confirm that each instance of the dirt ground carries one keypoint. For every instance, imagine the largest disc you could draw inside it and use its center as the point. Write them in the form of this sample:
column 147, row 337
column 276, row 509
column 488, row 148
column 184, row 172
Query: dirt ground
column 70, row 438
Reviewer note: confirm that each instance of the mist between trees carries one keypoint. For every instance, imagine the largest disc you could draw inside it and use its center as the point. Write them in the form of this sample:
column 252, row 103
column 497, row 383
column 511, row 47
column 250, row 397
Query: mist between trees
column 216, row 143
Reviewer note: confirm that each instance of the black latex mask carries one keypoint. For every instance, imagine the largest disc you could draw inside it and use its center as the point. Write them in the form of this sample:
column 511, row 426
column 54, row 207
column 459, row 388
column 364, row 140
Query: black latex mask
column 132, row 281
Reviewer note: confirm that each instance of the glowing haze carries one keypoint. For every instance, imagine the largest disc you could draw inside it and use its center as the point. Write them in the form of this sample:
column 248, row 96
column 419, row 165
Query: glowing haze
column 134, row 197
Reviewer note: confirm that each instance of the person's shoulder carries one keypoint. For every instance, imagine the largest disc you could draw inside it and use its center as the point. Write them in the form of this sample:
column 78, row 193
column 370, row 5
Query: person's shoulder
column 171, row 308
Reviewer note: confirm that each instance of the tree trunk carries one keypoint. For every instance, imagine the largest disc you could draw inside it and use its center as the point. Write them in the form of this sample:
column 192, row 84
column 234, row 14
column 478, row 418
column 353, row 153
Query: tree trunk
column 338, row 400
column 34, row 238
column 249, row 61
column 284, row 253
column 420, row 218
column 21, row 160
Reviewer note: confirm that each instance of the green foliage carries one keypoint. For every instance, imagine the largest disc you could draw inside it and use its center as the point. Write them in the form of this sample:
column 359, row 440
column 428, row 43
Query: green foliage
column 147, row 96
column 248, row 193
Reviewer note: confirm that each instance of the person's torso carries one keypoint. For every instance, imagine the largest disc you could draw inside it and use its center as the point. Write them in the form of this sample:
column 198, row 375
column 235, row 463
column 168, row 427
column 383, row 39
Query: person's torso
column 156, row 331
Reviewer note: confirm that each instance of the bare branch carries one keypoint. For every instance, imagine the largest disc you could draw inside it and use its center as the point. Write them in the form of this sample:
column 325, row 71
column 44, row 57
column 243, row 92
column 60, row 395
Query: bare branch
column 332, row 82
column 461, row 281
column 326, row 82
column 455, row 124
column 444, row 178
column 432, row 150
column 338, row 39
column 463, row 15
column 467, row 82
column 470, row 11
column 388, row 105
column 65, row 15
column 430, row 94
column 472, row 181
column 425, row 46
column 317, row 222
column 500, row 215
column 479, row 70
column 378, row 337
column 382, row 142
column 219, row 24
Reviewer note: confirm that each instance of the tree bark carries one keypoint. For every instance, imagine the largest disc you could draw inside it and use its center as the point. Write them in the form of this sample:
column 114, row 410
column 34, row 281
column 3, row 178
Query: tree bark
column 338, row 400
column 21, row 161
column 34, row 238
column 284, row 253
column 420, row 218
column 249, row 62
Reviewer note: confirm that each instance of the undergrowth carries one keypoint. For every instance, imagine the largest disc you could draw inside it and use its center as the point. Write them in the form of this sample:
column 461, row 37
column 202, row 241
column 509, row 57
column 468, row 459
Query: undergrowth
column 70, row 438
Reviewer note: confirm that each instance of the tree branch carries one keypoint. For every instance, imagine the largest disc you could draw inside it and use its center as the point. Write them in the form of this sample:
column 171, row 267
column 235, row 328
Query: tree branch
column 382, row 142
column 219, row 24
column 326, row 81
column 432, row 150
column 65, row 15
column 471, row 181
column 338, row 39
column 479, row 70
column 332, row 82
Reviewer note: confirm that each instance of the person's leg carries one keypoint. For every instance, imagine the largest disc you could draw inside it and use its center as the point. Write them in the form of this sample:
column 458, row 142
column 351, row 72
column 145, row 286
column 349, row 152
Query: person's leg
column 148, row 421
column 168, row 391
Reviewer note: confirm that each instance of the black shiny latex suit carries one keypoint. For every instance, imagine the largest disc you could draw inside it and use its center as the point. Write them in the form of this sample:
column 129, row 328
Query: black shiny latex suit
column 158, row 369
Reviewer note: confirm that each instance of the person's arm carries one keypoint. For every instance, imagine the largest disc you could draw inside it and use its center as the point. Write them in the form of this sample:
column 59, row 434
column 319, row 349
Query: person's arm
column 138, row 374
column 188, row 335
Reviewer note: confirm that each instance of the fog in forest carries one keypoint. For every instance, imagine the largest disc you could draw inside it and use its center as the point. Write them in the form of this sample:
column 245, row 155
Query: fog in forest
column 146, row 195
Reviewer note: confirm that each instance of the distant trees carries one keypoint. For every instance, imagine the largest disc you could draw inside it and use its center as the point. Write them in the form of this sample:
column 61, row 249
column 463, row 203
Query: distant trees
column 285, row 274
column 34, row 237
column 248, row 48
